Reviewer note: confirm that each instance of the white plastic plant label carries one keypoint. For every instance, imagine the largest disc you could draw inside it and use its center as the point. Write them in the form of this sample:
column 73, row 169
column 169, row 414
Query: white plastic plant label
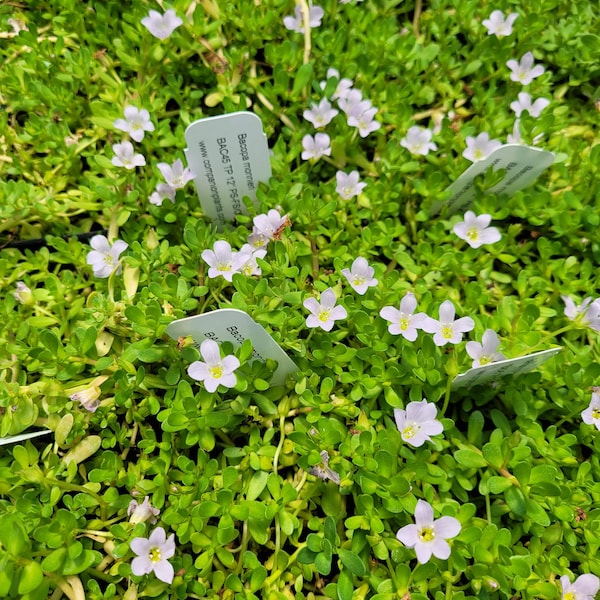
column 523, row 164
column 13, row 439
column 235, row 326
column 228, row 156
column 502, row 368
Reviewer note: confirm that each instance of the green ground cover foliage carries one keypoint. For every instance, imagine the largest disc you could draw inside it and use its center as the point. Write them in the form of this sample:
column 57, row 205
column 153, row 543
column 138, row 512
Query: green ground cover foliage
column 233, row 472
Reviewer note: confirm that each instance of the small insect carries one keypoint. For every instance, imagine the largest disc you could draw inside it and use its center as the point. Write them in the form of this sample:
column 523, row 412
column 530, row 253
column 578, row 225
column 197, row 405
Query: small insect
column 277, row 233
column 581, row 515
column 180, row 342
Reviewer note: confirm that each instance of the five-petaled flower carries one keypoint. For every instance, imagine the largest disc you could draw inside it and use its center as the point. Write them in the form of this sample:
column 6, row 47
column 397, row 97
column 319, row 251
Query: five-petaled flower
column 362, row 116
column 524, row 104
column 323, row 471
column 486, row 352
column 524, row 71
column 348, row 184
column 591, row 415
column 360, row 275
column 125, row 156
column 175, row 175
column 153, row 554
column 214, row 371
column 447, row 330
column 480, row 147
column 404, row 322
column 320, row 114
column 585, row 587
column 475, row 230
column 417, row 423
column 587, row 314
column 223, row 261
column 139, row 513
column 315, row 147
column 418, row 140
column 269, row 226
column 296, row 23
column 162, row 192
column 498, row 25
column 136, row 122
column 428, row 536
column 161, row 26
column 324, row 313
column 104, row 258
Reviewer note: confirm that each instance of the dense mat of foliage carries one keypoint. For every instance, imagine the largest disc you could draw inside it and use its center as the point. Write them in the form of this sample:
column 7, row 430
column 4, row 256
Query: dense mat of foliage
column 299, row 492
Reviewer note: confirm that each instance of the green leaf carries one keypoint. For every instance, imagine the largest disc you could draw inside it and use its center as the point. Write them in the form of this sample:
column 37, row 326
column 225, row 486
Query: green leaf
column 345, row 586
column 497, row 484
column 352, row 561
column 493, row 454
column 31, row 577
column 303, row 77
column 323, row 563
column 470, row 458
column 257, row 484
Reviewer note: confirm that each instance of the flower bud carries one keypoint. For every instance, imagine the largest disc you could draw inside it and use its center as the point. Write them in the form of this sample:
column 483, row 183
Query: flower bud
column 23, row 294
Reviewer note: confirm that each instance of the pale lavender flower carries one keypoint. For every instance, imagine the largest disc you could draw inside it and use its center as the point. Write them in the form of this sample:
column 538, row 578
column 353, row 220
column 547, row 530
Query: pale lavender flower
column 296, row 23
column 136, row 122
column 23, row 294
column 364, row 120
column 480, row 147
column 475, row 230
column 269, row 225
column 162, row 192
column 585, row 587
column 591, row 415
column 153, row 554
column 447, row 330
column 343, row 87
column 315, row 147
column 214, row 371
column 418, row 422
column 324, row 313
column 161, row 26
column 175, row 175
column 104, row 258
column 524, row 71
column 418, row 140
column 222, row 260
column 248, row 255
column 88, row 398
column 352, row 101
column 348, row 184
column 498, row 25
column 524, row 104
column 404, row 322
column 428, row 536
column 140, row 513
column 323, row 471
column 320, row 114
column 515, row 136
column 360, row 275
column 486, row 352
column 585, row 315
column 125, row 156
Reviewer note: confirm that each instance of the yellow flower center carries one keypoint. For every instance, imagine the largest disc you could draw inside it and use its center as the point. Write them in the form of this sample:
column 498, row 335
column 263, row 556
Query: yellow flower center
column 224, row 267
column 359, row 281
column 403, row 323
column 426, row 534
column 485, row 360
column 596, row 413
column 410, row 430
column 155, row 555
column 447, row 332
column 472, row 233
column 478, row 155
column 216, row 372
column 569, row 596
column 324, row 315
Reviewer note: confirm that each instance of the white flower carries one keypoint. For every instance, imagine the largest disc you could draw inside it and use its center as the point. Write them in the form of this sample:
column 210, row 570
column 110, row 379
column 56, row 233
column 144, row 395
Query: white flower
column 222, row 261
column 447, row 330
column 348, row 185
column 524, row 72
column 136, row 122
column 363, row 119
column 427, row 536
column 417, row 423
column 404, row 321
column 215, row 370
column 153, row 554
column 248, row 254
column 323, row 471
column 316, row 147
column 139, row 513
column 587, row 314
column 320, row 114
column 343, row 87
column 269, row 226
column 175, row 175
column 296, row 23
column 499, row 26
column 353, row 101
column 104, row 258
column 475, row 230
column 126, row 157
column 161, row 26
column 162, row 192
column 515, row 136
column 486, row 352
column 585, row 587
column 324, row 313
column 360, row 275
column 524, row 104
column 88, row 398
column 480, row 147
column 418, row 140
column 23, row 294
column 591, row 415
